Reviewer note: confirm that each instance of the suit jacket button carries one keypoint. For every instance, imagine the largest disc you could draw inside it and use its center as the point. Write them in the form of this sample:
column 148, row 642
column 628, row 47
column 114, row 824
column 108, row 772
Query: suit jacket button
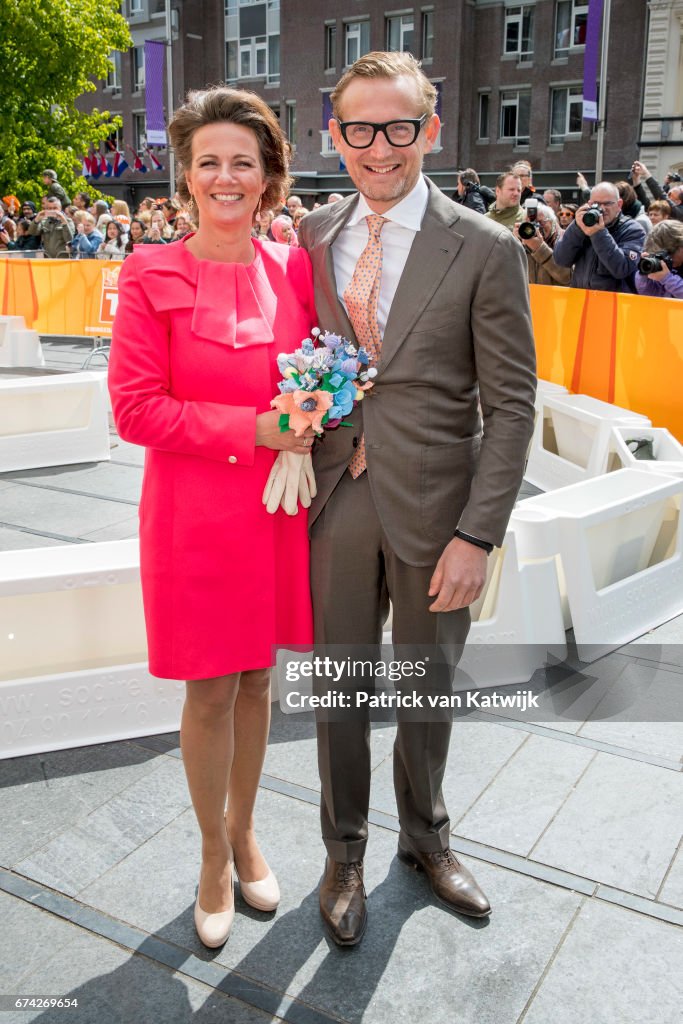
column 232, row 458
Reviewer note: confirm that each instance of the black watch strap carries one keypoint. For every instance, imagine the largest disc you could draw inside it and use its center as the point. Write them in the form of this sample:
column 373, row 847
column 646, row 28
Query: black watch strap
column 483, row 544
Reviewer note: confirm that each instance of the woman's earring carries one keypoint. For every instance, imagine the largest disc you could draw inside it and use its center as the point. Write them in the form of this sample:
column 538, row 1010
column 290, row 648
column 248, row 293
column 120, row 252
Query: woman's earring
column 192, row 206
column 257, row 211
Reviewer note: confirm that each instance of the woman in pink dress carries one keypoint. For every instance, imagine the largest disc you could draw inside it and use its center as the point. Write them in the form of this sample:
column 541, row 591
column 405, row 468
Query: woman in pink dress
column 192, row 373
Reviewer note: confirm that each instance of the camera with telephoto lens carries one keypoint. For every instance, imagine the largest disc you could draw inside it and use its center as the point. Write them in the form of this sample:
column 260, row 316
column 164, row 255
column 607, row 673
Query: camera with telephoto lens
column 528, row 228
column 654, row 262
column 592, row 215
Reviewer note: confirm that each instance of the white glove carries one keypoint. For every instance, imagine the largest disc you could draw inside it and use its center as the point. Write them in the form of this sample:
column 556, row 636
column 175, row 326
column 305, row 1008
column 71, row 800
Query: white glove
column 290, row 478
column 307, row 486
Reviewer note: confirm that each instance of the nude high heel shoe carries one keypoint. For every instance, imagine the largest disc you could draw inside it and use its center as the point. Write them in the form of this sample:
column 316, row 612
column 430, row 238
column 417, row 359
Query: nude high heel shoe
column 263, row 894
column 214, row 929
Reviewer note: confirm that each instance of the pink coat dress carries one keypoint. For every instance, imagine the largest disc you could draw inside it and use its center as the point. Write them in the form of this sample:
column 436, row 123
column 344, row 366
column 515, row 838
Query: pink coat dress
column 193, row 361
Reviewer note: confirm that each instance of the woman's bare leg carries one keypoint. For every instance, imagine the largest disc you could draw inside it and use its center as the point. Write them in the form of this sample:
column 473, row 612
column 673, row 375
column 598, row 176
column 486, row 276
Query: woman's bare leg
column 207, row 742
column 252, row 722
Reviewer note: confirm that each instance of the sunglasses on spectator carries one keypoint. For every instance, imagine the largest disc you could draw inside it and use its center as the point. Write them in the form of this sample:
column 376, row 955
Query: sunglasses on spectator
column 362, row 134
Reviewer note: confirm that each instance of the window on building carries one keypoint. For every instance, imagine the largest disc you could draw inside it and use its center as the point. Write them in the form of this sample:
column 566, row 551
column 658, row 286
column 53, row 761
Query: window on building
column 136, row 7
column 139, row 132
column 566, row 112
column 514, row 116
column 356, row 40
column 519, row 31
column 138, row 68
column 252, row 35
column 400, row 32
column 114, row 140
column 330, row 47
column 427, row 35
column 114, row 76
column 291, row 122
column 571, row 19
column 484, row 100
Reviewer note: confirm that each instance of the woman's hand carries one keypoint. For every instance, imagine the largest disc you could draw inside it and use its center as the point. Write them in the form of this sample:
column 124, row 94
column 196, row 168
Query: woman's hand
column 269, row 435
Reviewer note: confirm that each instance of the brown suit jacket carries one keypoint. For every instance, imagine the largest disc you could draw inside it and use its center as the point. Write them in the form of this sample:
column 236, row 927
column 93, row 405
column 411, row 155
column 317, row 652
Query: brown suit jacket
column 459, row 334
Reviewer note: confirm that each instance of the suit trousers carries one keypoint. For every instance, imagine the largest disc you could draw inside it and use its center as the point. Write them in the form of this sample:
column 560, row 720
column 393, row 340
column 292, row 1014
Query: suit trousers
column 354, row 575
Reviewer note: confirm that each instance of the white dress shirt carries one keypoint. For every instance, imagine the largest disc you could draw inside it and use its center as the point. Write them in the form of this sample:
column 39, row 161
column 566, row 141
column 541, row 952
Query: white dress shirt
column 403, row 222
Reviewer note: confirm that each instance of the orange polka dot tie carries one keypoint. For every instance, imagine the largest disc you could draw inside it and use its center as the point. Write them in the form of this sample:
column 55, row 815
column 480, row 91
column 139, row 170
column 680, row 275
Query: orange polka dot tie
column 361, row 297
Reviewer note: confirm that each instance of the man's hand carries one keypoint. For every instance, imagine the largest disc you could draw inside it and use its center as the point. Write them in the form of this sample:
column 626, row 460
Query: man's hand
column 600, row 226
column 639, row 172
column 459, row 576
column 80, row 229
column 581, row 181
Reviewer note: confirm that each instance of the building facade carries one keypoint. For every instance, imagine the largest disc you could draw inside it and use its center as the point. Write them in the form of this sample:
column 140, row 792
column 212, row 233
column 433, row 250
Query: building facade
column 508, row 76
column 661, row 136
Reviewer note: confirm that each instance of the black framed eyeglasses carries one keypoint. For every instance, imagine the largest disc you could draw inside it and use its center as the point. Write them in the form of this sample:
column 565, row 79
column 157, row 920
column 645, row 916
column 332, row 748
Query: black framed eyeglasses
column 361, row 134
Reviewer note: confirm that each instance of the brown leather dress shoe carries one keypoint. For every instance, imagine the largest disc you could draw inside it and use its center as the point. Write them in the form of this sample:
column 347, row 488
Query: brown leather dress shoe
column 342, row 901
column 450, row 880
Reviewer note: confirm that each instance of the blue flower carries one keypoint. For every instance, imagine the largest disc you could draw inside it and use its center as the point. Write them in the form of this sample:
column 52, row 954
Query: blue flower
column 332, row 340
column 335, row 412
column 336, row 380
column 307, row 347
column 350, row 368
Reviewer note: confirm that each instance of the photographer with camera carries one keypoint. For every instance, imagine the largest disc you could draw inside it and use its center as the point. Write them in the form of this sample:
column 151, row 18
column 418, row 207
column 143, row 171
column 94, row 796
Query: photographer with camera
column 54, row 228
column 539, row 232
column 471, row 193
column 601, row 245
column 659, row 269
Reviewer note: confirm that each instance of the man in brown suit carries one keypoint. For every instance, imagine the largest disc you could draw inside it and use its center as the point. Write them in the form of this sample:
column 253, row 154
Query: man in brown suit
column 411, row 500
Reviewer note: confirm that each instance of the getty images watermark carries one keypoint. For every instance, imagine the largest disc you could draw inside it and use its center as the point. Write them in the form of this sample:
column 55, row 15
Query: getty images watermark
column 641, row 683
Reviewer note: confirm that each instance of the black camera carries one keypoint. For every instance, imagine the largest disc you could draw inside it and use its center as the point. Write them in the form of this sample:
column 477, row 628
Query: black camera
column 654, row 262
column 528, row 228
column 592, row 215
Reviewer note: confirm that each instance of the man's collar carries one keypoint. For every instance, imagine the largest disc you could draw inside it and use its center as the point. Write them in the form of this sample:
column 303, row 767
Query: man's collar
column 407, row 214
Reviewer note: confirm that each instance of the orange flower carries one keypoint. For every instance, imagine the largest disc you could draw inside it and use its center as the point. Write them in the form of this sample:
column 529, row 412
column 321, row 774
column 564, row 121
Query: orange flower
column 298, row 405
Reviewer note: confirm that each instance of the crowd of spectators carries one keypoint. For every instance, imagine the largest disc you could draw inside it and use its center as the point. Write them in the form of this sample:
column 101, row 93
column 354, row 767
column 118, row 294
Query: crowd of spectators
column 622, row 236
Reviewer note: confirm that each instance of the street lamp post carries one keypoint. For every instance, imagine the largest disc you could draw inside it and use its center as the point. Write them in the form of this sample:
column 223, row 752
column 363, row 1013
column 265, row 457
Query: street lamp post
column 169, row 93
column 602, row 98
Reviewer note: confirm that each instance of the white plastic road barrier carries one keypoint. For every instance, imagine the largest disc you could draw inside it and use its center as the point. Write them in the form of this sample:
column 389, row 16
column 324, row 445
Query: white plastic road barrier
column 618, row 541
column 52, row 419
column 571, row 439
column 19, row 346
column 668, row 453
column 73, row 650
column 517, row 623
column 543, row 389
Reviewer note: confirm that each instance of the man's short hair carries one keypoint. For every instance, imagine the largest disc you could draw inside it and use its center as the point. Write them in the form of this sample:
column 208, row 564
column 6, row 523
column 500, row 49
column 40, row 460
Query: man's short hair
column 606, row 185
column 555, row 193
column 469, row 176
column 503, row 176
column 386, row 65
column 53, row 199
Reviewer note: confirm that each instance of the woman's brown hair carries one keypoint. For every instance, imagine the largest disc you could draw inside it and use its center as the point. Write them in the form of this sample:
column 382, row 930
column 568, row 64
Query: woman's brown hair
column 236, row 106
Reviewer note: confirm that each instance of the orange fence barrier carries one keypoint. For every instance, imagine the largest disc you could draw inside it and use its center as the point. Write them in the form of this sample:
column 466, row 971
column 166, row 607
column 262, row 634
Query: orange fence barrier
column 625, row 349
column 61, row 296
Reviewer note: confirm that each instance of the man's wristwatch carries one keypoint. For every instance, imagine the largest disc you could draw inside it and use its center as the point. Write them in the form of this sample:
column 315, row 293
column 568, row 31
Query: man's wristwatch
column 483, row 544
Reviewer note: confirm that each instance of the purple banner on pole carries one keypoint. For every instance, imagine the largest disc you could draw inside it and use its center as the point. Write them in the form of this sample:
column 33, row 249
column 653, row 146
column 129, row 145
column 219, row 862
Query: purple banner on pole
column 590, row 61
column 155, row 54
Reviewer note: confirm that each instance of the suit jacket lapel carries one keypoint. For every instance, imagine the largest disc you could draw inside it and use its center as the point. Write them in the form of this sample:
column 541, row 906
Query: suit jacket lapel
column 435, row 247
column 323, row 267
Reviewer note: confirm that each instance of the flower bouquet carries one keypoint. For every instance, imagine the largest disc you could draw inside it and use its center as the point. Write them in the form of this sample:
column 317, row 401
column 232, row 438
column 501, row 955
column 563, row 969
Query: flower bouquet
column 321, row 382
